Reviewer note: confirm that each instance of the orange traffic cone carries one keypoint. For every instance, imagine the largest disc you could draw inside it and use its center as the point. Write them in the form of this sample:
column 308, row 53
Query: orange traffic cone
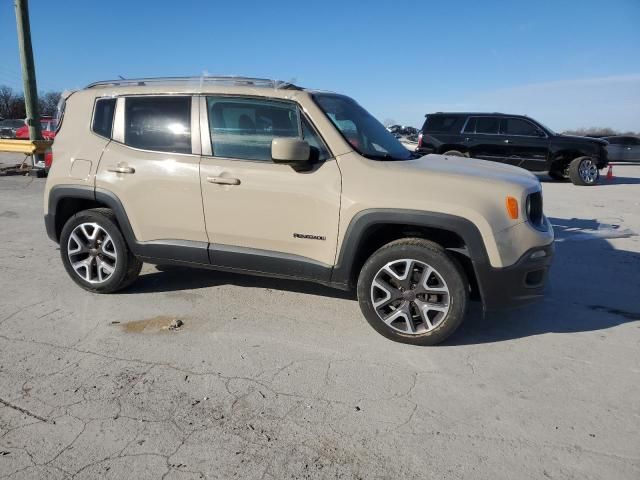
column 610, row 173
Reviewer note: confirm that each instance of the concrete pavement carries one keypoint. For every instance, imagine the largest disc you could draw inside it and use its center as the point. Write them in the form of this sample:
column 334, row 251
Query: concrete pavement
column 274, row 379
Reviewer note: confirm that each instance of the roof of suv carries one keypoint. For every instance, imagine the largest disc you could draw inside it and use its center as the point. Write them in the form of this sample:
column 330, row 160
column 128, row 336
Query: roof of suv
column 203, row 84
column 465, row 114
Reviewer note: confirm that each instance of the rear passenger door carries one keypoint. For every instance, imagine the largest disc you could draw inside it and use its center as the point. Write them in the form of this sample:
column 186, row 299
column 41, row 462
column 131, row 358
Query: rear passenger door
column 528, row 145
column 152, row 166
column 482, row 136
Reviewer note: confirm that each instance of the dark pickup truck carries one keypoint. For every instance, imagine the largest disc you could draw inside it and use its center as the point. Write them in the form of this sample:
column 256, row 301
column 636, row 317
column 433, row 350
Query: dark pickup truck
column 517, row 140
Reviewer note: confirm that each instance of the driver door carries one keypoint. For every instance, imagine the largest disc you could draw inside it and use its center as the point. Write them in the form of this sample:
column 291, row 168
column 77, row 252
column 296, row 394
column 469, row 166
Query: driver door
column 262, row 216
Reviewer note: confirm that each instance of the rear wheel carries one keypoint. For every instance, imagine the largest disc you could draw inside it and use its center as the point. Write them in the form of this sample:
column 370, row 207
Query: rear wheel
column 454, row 153
column 412, row 291
column 95, row 254
column 584, row 171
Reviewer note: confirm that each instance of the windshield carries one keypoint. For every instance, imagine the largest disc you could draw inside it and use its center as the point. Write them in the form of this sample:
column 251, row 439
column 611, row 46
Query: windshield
column 365, row 134
column 551, row 132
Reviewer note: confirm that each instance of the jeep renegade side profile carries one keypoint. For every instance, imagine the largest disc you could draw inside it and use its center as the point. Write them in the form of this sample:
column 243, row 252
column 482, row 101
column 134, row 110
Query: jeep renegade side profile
column 266, row 178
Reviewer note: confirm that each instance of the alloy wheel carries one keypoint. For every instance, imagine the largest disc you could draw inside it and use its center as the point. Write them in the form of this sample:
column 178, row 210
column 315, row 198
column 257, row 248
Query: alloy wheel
column 410, row 296
column 92, row 253
column 588, row 171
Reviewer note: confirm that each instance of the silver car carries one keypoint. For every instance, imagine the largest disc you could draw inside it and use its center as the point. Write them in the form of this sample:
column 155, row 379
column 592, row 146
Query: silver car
column 623, row 148
column 8, row 127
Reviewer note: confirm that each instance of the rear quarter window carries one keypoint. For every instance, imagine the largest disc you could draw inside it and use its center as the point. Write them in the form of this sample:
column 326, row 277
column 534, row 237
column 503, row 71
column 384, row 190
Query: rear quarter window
column 103, row 116
column 442, row 124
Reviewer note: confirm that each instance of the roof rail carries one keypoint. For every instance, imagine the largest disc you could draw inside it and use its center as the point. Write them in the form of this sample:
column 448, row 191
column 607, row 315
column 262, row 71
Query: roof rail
column 230, row 80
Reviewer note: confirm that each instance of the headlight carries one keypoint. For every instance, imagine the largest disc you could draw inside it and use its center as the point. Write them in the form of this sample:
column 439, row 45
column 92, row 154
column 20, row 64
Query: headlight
column 533, row 209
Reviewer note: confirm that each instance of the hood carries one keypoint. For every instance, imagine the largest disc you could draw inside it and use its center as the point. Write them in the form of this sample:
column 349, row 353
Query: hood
column 472, row 167
column 597, row 141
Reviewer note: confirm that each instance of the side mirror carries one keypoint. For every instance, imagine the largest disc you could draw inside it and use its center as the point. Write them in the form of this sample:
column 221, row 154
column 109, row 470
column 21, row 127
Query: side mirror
column 291, row 151
column 540, row 133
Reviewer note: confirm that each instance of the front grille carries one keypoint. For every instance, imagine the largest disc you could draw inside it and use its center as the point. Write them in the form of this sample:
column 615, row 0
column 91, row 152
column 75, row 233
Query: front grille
column 534, row 209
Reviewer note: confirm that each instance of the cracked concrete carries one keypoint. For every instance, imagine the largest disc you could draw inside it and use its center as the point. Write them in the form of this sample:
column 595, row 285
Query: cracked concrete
column 270, row 379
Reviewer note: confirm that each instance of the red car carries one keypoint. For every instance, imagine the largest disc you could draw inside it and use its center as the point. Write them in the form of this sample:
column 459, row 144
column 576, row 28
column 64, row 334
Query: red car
column 48, row 126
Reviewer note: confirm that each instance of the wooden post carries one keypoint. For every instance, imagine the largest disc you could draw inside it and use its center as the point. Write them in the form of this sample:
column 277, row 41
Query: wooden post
column 28, row 69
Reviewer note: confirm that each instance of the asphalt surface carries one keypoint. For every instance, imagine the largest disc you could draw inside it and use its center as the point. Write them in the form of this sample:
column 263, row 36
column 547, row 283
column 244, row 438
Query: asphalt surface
column 270, row 379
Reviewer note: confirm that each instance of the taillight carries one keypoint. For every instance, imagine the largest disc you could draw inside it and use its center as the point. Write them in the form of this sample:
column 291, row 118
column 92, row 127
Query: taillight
column 48, row 159
column 420, row 140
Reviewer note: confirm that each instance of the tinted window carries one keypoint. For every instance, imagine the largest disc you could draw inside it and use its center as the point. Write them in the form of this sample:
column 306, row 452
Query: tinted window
column 517, row 126
column 162, row 124
column 614, row 140
column 103, row 116
column 318, row 148
column 487, row 125
column 243, row 128
column 440, row 123
column 470, row 127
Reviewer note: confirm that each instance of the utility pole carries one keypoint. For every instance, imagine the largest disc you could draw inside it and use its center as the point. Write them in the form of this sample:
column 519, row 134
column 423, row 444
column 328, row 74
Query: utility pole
column 28, row 69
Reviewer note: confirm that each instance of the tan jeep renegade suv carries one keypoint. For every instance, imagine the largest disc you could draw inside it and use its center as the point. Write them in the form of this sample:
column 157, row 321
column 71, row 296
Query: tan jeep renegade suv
column 263, row 177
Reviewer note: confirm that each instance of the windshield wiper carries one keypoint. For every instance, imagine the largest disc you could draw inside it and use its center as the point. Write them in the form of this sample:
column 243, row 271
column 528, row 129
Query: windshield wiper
column 382, row 156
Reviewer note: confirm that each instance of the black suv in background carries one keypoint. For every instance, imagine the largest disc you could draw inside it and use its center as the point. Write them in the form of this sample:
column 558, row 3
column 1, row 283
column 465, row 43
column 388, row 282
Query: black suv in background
column 517, row 140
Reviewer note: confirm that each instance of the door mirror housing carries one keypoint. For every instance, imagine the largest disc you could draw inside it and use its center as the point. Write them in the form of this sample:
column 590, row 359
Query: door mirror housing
column 291, row 151
column 540, row 133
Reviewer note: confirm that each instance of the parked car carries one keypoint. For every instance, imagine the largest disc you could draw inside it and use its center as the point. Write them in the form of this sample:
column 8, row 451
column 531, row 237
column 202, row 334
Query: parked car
column 8, row 127
column 516, row 140
column 267, row 178
column 623, row 148
column 47, row 125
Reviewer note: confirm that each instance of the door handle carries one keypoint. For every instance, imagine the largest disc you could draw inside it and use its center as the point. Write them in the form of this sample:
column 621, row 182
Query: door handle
column 121, row 169
column 223, row 180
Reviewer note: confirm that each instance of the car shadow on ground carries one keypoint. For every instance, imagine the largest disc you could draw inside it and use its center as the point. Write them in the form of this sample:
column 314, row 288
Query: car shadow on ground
column 583, row 255
column 591, row 287
column 170, row 278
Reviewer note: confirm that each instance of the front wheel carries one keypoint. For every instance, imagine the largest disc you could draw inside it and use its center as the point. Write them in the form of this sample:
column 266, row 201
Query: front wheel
column 412, row 291
column 95, row 254
column 584, row 171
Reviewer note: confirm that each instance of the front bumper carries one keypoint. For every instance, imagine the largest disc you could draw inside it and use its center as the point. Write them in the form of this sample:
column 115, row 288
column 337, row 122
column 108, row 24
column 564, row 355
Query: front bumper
column 516, row 285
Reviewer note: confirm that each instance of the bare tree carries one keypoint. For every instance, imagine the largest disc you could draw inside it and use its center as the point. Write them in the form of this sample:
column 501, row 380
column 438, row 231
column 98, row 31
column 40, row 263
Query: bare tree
column 593, row 132
column 11, row 103
column 48, row 102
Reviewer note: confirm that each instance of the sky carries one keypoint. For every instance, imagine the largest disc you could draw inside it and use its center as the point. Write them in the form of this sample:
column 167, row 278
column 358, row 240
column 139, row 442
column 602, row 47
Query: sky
column 567, row 63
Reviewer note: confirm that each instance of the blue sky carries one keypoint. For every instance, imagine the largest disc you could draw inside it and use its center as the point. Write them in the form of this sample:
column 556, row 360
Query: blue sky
column 568, row 63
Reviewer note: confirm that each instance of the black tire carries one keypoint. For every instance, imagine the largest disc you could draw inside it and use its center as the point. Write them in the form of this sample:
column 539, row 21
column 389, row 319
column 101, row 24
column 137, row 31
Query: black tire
column 559, row 175
column 454, row 153
column 127, row 266
column 576, row 167
column 433, row 255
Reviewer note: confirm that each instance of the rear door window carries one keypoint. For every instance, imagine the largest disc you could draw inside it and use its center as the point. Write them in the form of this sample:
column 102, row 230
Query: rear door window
column 487, row 125
column 470, row 127
column 161, row 124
